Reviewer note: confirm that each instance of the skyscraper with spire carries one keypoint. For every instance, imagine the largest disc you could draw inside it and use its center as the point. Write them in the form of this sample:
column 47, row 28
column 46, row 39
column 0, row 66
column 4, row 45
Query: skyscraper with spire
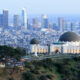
column 45, row 22
column 24, row 18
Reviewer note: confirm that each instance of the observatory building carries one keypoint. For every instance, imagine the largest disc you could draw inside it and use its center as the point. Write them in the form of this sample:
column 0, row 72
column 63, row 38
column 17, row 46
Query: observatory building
column 68, row 43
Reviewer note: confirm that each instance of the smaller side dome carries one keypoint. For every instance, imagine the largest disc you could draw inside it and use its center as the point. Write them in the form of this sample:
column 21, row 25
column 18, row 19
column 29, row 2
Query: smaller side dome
column 34, row 41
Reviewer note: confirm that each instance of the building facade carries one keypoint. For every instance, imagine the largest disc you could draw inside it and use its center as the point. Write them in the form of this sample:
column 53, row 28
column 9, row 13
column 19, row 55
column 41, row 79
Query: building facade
column 24, row 19
column 45, row 22
column 69, row 43
column 16, row 21
column 1, row 20
column 5, row 18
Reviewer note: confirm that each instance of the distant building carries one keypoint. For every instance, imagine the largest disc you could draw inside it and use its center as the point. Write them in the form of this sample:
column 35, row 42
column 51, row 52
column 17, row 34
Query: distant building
column 5, row 18
column 72, row 26
column 35, row 23
column 62, row 25
column 45, row 23
column 65, row 27
column 1, row 20
column 16, row 21
column 2, row 65
column 55, row 26
column 24, row 19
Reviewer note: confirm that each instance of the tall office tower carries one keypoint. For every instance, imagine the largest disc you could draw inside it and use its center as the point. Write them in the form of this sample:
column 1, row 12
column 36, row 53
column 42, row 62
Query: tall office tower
column 62, row 24
column 55, row 26
column 24, row 19
column 65, row 28
column 45, row 22
column 1, row 20
column 72, row 26
column 16, row 21
column 5, row 18
column 35, row 23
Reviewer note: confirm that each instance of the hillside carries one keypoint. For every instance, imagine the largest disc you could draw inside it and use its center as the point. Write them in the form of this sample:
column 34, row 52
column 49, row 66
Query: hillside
column 48, row 69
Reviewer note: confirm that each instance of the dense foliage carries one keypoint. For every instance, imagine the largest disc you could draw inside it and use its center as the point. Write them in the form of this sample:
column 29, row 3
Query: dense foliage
column 48, row 69
column 6, row 51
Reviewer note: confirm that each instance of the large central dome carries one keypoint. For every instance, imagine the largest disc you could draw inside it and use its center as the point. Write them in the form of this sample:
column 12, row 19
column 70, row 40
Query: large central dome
column 69, row 36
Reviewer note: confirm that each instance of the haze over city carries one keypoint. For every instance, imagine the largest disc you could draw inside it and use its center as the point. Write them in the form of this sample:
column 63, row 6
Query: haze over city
column 42, row 6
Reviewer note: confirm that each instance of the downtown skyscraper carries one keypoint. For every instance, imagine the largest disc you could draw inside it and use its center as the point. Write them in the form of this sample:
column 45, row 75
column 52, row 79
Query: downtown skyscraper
column 16, row 21
column 5, row 18
column 45, row 22
column 1, row 20
column 62, row 24
column 24, row 19
column 35, row 23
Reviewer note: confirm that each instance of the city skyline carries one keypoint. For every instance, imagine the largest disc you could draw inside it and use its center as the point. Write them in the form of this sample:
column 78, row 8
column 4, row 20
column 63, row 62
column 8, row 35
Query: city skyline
column 23, row 22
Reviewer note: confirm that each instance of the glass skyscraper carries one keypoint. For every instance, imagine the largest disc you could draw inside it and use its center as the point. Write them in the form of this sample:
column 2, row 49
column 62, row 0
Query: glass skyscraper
column 24, row 19
column 1, row 20
column 16, row 21
column 5, row 18
column 45, row 23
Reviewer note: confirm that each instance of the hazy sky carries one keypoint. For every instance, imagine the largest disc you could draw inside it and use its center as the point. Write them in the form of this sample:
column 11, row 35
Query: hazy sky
column 42, row 6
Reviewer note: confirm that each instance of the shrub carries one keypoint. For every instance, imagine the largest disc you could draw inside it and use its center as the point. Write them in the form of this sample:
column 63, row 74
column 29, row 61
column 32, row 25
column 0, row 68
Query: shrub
column 28, row 76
